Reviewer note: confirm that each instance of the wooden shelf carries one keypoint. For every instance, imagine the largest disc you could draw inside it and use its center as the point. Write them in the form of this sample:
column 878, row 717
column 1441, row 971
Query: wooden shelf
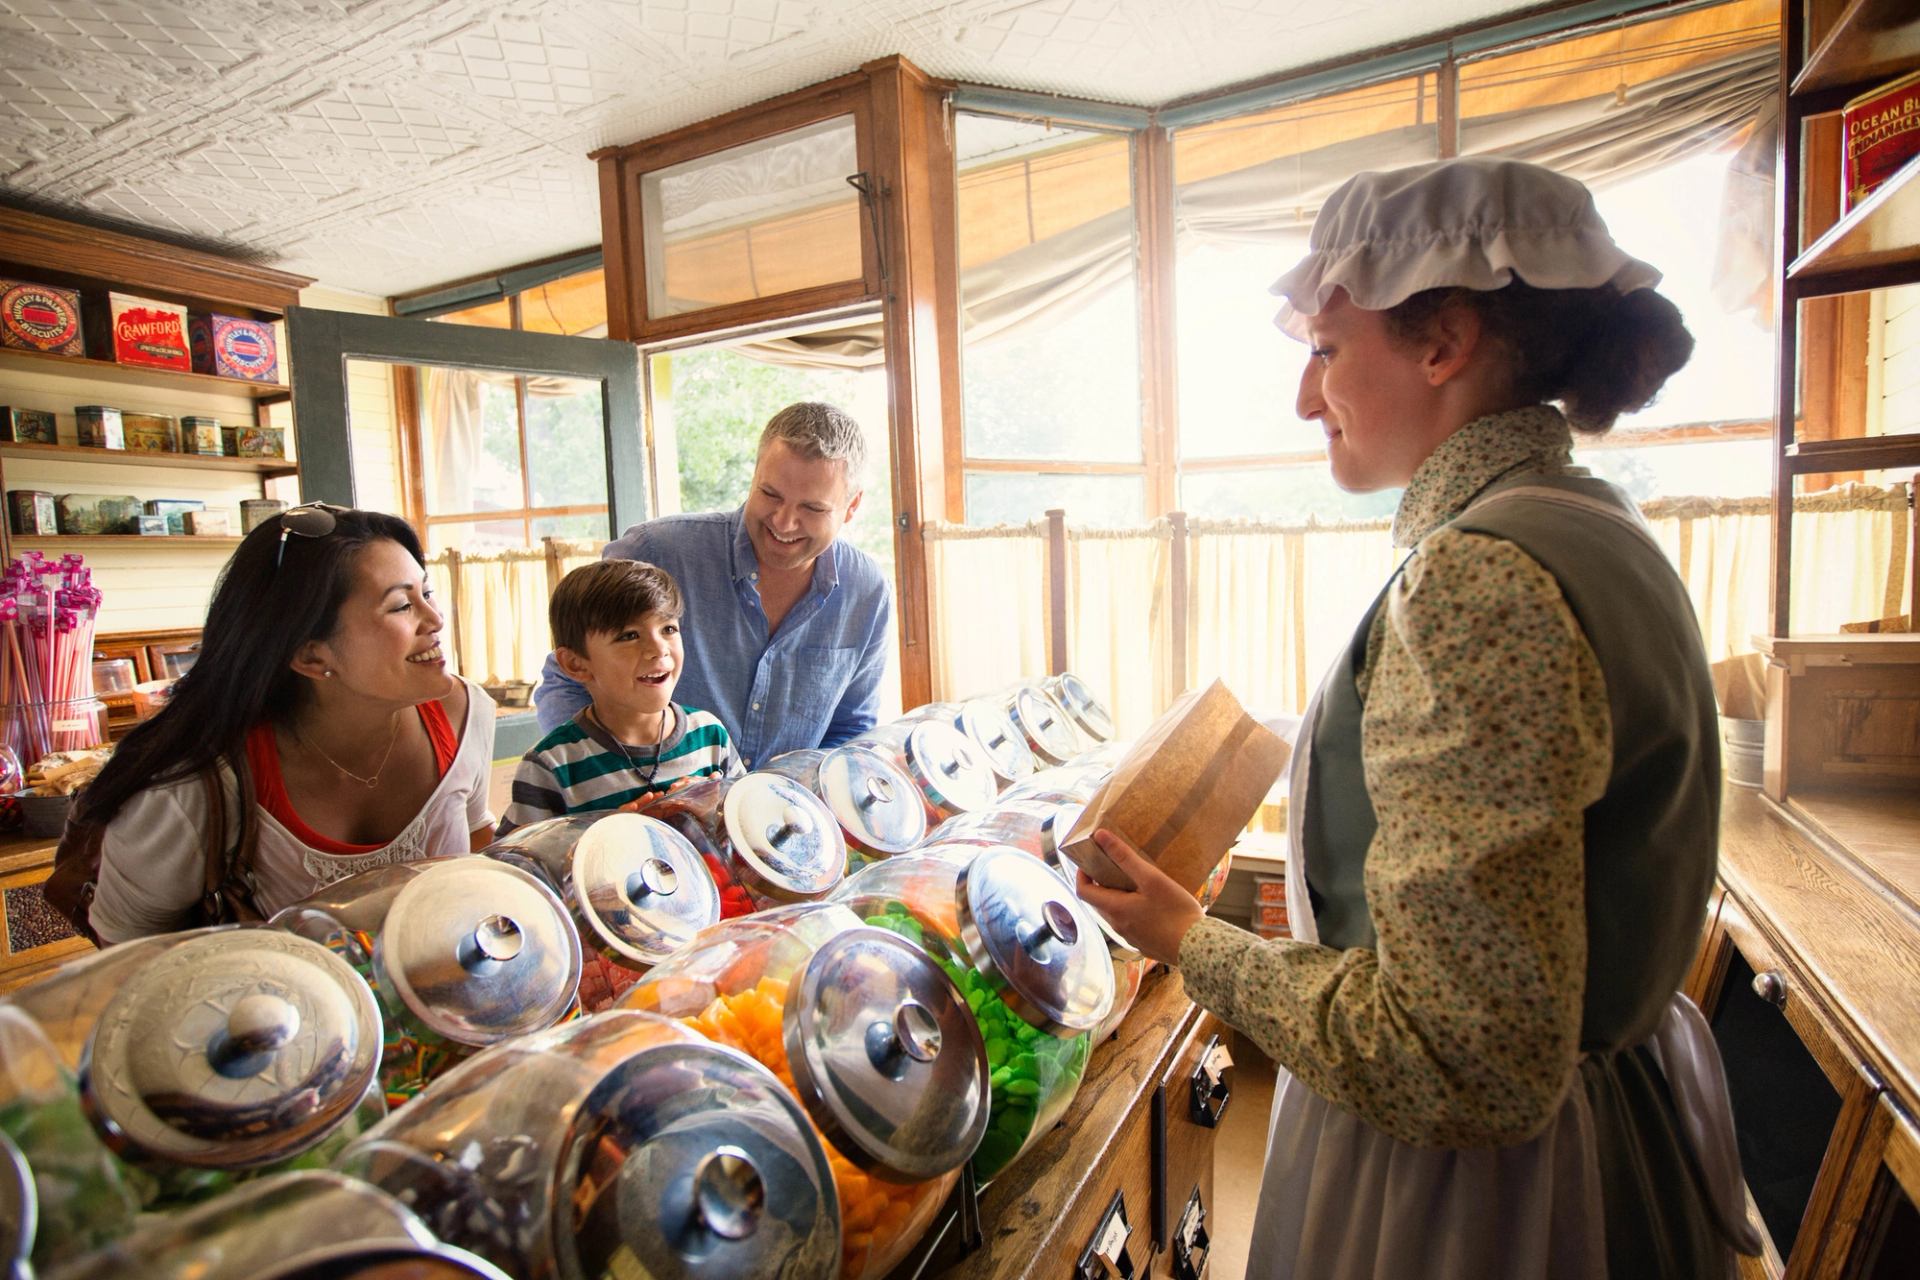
column 267, row 467
column 1874, row 40
column 112, row 371
column 78, row 541
column 1857, row 453
column 1874, row 246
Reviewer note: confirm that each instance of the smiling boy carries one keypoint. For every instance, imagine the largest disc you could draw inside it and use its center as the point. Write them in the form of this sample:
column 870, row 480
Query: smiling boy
column 616, row 630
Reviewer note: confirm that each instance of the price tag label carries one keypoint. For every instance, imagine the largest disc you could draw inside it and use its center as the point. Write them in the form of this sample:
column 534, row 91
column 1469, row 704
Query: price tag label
column 1113, row 1239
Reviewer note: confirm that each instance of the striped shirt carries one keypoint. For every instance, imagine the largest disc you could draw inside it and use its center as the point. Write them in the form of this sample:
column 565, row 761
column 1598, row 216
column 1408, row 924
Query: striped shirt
column 580, row 768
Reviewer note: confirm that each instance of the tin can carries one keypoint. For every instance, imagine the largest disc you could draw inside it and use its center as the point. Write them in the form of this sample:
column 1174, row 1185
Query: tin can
column 150, row 432
column 207, row 524
column 201, row 435
column 254, row 441
column 232, row 347
column 31, row 512
column 153, row 526
column 174, row 511
column 255, row 512
column 96, row 513
column 27, row 426
column 99, row 426
column 40, row 317
column 1880, row 130
column 142, row 331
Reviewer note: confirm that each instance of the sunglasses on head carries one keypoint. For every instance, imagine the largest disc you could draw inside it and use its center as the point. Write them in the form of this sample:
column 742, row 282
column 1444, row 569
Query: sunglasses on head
column 308, row 520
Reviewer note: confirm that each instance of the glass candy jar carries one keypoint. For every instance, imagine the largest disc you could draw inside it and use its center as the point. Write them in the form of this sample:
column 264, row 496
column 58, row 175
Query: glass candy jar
column 950, row 773
column 869, row 1034
column 623, row 1144
column 637, row 890
column 291, row 1226
column 878, row 807
column 1048, row 729
column 1089, row 715
column 462, row 952
column 1027, row 957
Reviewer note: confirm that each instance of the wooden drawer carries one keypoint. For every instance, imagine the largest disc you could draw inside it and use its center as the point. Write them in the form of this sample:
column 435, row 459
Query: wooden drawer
column 1193, row 1099
column 33, row 939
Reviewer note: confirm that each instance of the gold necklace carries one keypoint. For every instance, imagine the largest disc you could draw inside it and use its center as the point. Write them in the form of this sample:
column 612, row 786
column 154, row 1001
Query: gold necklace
column 368, row 783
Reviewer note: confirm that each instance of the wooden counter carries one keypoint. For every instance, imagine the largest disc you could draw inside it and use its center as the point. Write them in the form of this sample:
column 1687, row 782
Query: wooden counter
column 1810, row 976
column 1129, row 1133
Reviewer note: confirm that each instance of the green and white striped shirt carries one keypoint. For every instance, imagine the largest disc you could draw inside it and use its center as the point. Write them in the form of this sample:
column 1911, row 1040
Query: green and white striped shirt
column 580, row 768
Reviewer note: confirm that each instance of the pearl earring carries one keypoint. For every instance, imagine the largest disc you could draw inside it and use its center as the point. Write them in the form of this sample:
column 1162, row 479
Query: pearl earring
column 328, row 673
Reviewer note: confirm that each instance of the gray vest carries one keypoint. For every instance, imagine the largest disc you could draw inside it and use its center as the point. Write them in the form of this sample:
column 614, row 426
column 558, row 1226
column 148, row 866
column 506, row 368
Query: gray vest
column 1652, row 839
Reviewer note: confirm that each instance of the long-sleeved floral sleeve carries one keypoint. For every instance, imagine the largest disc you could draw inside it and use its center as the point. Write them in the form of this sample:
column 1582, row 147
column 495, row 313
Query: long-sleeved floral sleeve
column 1485, row 735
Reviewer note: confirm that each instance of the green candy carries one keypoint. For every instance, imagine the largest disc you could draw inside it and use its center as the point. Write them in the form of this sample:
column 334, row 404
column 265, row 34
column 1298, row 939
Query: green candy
column 1023, row 1088
column 999, row 1078
column 997, row 1051
column 1026, row 1064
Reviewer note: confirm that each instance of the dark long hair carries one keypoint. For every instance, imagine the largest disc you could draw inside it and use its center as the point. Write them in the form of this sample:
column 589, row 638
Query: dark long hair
column 1598, row 353
column 260, row 616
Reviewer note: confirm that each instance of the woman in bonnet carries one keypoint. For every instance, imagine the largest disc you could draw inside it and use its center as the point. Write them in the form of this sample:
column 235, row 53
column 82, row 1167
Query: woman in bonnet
column 1506, row 792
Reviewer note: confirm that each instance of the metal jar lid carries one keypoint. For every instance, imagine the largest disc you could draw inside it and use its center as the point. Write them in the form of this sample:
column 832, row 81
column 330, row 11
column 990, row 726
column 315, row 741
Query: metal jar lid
column 639, row 889
column 989, row 727
column 887, row 1057
column 878, row 806
column 1049, row 732
column 950, row 771
column 786, row 845
column 1036, row 942
column 479, row 951
column 803, row 766
column 689, row 1161
column 232, row 1050
column 1079, row 702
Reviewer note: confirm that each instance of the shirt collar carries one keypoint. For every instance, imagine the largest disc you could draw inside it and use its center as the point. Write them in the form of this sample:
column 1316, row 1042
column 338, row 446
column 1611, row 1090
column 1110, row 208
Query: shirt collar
column 743, row 564
column 1536, row 438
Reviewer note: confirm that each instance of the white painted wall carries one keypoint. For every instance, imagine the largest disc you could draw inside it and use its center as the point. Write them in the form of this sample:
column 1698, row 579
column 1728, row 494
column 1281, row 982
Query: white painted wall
column 371, row 416
column 1894, row 381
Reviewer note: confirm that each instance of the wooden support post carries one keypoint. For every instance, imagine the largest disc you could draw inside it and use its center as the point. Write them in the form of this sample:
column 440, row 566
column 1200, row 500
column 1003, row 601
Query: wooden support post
column 1177, row 614
column 1056, row 591
column 1913, row 553
column 552, row 549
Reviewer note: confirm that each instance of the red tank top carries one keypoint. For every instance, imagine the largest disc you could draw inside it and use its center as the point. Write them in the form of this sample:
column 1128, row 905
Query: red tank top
column 270, row 789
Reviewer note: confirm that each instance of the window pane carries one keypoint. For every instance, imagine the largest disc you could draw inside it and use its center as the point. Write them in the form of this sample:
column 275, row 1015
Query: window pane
column 753, row 221
column 1284, row 495
column 1711, row 469
column 581, row 526
column 1670, row 218
column 1015, row 497
column 470, row 441
column 476, row 536
column 1051, row 344
column 575, row 306
column 566, row 442
column 488, row 315
column 1246, row 192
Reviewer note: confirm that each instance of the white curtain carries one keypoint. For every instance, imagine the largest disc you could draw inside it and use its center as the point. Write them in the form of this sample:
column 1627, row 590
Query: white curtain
column 497, row 606
column 1271, row 605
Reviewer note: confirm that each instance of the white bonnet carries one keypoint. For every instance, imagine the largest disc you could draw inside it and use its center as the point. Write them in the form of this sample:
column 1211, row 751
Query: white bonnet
column 1473, row 223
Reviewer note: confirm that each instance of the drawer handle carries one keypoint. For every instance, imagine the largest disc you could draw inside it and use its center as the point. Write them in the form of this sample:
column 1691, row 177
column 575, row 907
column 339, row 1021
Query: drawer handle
column 1106, row 1253
column 1212, row 1085
column 1190, row 1243
column 1771, row 986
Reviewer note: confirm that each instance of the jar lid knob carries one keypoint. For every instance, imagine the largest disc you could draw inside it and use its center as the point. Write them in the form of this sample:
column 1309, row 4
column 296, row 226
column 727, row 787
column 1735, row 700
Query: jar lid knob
column 728, row 1194
column 655, row 876
column 257, row 1026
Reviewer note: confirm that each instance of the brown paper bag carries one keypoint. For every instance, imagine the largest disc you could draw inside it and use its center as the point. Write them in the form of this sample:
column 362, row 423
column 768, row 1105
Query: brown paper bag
column 1185, row 790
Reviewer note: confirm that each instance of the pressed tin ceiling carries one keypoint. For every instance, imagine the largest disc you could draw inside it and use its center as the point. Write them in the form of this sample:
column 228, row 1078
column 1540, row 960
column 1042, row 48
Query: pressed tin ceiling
column 387, row 145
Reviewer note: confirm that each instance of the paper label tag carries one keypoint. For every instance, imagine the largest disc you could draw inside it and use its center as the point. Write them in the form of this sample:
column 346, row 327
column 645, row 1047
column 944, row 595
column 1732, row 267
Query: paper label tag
column 71, row 726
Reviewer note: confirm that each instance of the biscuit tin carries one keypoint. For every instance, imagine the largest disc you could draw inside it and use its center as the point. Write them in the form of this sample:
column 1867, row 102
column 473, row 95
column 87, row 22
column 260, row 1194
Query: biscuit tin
column 95, row 513
column 199, row 434
column 208, row 524
column 31, row 511
column 174, row 511
column 255, row 512
column 1881, row 132
column 40, row 317
column 150, row 432
column 231, row 347
column 142, row 331
column 27, row 426
column 99, row 426
column 255, row 442
column 153, row 526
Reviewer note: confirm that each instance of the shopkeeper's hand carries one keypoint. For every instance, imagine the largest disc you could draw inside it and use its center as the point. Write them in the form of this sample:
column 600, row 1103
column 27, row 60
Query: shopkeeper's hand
column 1155, row 914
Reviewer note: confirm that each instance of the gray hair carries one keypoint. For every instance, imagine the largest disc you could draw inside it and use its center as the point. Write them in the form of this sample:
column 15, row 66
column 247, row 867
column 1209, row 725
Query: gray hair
column 816, row 430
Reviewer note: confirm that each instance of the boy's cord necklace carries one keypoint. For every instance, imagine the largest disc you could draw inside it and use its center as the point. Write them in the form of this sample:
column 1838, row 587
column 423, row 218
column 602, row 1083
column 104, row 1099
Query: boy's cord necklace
column 653, row 765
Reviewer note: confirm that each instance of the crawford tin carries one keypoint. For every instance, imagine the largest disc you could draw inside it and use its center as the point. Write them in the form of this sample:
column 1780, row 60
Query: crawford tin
column 143, row 331
column 1881, row 134
column 231, row 347
column 40, row 317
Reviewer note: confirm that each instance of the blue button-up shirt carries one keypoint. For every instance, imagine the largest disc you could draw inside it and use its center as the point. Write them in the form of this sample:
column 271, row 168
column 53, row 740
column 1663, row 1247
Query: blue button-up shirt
column 814, row 683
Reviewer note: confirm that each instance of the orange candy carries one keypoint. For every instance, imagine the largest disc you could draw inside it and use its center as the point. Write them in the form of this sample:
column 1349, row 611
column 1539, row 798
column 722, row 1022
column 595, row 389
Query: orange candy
column 873, row 1212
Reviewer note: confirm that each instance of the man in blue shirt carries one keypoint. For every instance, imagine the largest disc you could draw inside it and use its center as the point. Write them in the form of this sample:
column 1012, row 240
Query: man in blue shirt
column 785, row 628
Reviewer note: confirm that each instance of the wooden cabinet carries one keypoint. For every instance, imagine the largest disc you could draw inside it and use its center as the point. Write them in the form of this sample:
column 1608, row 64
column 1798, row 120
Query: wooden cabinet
column 1193, row 1100
column 1807, row 977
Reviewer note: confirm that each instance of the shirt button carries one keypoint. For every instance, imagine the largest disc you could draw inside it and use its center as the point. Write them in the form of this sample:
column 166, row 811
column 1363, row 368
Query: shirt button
column 756, row 706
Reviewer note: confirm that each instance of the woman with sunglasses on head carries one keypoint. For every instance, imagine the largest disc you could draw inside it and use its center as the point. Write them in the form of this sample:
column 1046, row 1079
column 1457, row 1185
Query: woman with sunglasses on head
column 322, row 697
column 1505, row 797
